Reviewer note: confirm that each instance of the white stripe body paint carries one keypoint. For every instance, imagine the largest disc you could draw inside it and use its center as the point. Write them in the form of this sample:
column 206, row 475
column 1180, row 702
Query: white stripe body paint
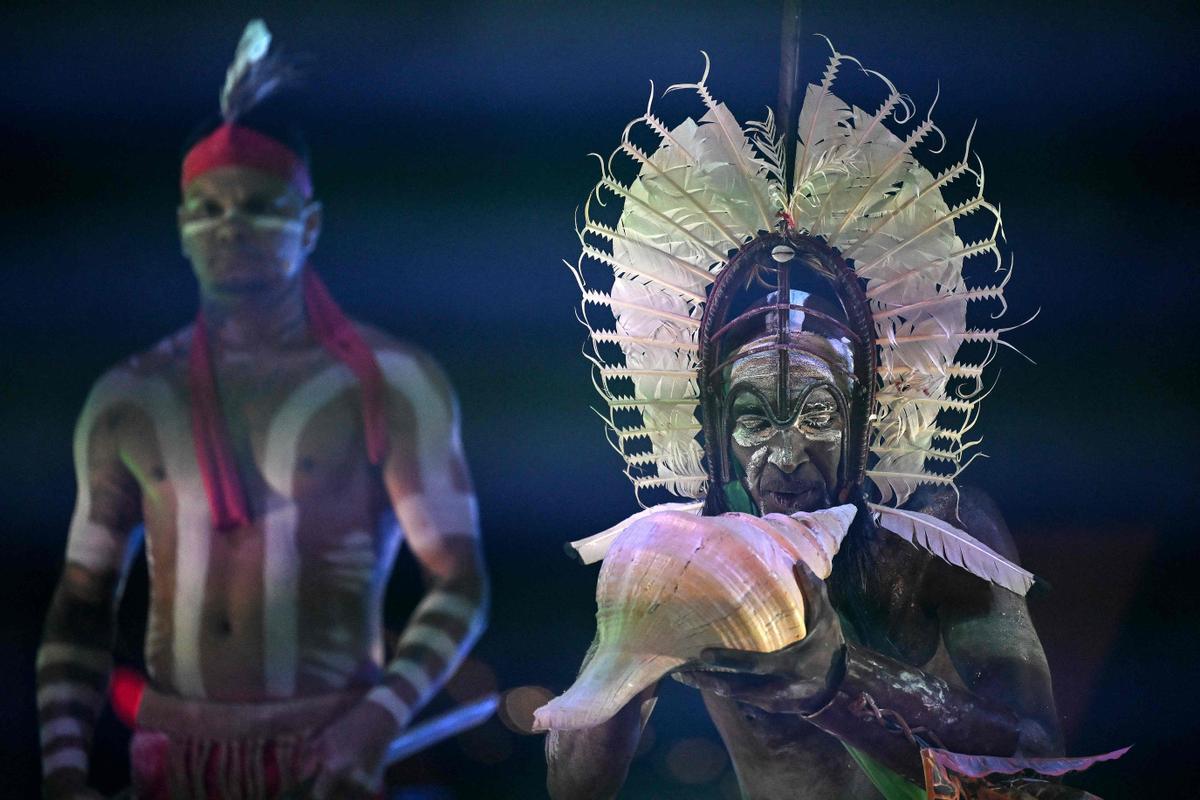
column 350, row 565
column 413, row 673
column 439, row 509
column 68, row 692
column 389, row 701
column 61, row 728
column 96, row 547
column 92, row 658
column 193, row 534
column 260, row 222
column 453, row 513
column 281, row 567
column 436, row 639
column 91, row 544
column 438, row 443
column 453, row 605
column 71, row 757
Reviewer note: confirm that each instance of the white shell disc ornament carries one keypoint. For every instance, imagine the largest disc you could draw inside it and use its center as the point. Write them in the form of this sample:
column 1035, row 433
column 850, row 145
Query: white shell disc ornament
column 674, row 583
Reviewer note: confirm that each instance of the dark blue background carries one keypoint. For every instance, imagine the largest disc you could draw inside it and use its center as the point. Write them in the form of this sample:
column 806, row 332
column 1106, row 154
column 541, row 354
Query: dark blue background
column 449, row 147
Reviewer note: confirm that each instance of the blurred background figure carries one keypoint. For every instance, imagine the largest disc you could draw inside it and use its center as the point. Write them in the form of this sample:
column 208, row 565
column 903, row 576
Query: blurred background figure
column 260, row 448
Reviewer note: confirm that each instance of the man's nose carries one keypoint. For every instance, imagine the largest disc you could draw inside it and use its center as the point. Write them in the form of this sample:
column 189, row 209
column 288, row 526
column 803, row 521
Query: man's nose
column 787, row 451
column 232, row 224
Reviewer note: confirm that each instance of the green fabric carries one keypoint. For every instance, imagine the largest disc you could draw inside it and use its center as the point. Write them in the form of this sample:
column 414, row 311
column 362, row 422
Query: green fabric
column 889, row 783
column 737, row 498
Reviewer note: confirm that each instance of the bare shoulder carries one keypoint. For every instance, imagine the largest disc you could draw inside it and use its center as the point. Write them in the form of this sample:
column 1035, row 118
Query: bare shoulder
column 124, row 384
column 407, row 368
column 974, row 511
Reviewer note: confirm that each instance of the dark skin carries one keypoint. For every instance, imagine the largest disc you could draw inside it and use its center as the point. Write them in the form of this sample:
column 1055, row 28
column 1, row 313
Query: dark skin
column 248, row 235
column 939, row 620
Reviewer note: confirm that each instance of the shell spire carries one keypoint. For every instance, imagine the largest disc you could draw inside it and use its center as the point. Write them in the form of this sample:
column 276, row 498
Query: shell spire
column 675, row 583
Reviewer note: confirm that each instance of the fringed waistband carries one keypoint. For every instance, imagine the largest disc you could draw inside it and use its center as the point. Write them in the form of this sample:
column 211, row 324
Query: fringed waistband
column 204, row 750
column 179, row 716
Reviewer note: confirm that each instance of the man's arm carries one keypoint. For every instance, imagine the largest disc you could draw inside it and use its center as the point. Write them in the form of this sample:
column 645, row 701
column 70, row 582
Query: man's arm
column 430, row 488
column 1007, row 708
column 427, row 481
column 74, row 660
column 591, row 763
column 990, row 637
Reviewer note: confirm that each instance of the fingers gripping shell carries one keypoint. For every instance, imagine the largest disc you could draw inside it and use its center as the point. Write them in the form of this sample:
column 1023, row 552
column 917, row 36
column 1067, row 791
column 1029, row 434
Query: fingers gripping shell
column 673, row 584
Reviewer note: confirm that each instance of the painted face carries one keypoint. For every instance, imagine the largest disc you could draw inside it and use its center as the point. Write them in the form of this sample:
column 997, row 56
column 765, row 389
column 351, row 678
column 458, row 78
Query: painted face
column 245, row 230
column 790, row 456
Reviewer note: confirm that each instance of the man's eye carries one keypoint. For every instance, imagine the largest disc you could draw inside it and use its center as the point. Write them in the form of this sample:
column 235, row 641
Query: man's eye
column 820, row 419
column 211, row 208
column 753, row 424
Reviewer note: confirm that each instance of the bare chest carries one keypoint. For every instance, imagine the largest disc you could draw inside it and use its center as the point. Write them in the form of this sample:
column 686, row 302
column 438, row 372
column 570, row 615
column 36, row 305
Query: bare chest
column 293, row 425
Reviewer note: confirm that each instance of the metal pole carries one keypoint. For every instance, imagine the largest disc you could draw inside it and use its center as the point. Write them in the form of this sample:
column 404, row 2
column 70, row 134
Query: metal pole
column 788, row 105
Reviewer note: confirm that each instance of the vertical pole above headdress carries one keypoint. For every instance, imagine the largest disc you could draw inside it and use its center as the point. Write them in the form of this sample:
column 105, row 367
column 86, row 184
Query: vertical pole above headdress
column 787, row 108
column 787, row 112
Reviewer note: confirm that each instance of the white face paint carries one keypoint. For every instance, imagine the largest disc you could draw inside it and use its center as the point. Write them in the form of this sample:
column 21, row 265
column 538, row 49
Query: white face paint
column 258, row 222
column 245, row 231
column 790, row 456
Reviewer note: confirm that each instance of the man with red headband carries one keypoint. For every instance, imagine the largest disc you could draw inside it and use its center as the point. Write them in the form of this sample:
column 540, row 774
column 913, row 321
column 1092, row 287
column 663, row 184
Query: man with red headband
column 260, row 447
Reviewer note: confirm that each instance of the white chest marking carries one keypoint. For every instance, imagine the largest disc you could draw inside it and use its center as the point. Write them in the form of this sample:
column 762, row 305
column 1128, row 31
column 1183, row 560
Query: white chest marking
column 172, row 427
column 281, row 566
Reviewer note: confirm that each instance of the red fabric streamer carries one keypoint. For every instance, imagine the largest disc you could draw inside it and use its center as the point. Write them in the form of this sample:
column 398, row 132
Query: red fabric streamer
column 340, row 338
column 218, row 467
column 125, row 691
column 236, row 145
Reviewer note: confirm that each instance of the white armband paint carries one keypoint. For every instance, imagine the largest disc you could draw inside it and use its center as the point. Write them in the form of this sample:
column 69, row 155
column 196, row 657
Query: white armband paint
column 452, row 605
column 433, row 637
column 93, row 658
column 67, row 692
column 413, row 673
column 67, row 758
column 94, row 546
column 453, row 513
column 62, row 727
column 389, row 701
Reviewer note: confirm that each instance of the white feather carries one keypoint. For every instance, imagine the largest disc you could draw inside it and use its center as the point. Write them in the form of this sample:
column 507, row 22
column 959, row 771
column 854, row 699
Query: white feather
column 251, row 49
column 954, row 546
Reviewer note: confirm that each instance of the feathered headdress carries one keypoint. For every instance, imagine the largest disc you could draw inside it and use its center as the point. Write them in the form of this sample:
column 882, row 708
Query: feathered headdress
column 708, row 189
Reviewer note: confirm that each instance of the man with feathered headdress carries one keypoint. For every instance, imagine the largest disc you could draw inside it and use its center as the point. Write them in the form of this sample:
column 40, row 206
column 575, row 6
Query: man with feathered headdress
column 259, row 447
column 808, row 299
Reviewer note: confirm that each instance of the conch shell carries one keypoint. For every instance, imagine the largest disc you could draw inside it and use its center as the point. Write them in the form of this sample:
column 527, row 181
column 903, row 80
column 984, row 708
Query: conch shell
column 674, row 583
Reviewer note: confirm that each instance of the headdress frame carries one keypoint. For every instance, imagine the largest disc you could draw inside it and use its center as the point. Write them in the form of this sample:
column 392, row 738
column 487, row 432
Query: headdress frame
column 824, row 262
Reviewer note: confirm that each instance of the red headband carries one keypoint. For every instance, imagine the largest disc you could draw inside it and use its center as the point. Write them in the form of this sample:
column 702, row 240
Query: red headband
column 232, row 144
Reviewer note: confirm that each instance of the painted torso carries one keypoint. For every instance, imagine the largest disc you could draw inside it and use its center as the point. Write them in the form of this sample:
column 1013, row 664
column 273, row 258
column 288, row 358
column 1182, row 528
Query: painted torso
column 289, row 605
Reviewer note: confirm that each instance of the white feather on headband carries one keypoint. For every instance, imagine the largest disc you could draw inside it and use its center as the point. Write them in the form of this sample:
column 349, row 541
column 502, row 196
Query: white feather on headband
column 254, row 73
column 708, row 188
